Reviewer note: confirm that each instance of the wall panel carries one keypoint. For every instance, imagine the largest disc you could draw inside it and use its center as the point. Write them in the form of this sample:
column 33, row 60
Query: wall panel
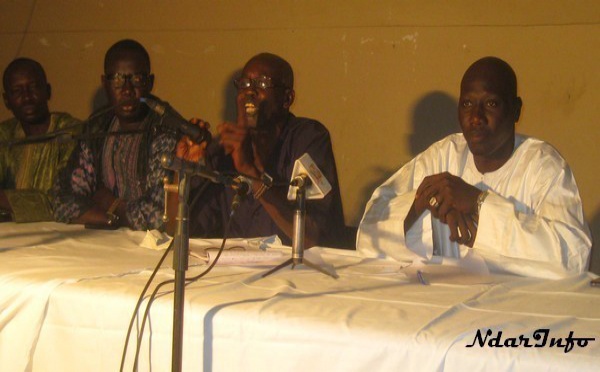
column 382, row 76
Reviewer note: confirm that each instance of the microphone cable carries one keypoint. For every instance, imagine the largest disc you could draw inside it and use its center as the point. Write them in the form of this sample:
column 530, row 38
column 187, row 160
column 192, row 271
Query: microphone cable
column 140, row 300
column 188, row 281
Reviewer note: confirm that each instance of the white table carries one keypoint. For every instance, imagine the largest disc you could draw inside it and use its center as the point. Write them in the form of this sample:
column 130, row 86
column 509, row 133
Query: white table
column 67, row 294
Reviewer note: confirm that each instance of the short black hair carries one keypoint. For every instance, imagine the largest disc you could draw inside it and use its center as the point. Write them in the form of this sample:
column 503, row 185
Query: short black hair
column 122, row 47
column 280, row 65
column 498, row 67
column 19, row 63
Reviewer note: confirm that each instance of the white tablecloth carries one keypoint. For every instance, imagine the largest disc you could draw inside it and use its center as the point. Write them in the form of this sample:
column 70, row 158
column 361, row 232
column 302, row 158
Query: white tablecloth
column 67, row 294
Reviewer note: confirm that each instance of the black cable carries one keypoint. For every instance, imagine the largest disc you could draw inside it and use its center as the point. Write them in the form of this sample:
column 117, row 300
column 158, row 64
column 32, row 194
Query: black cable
column 160, row 285
column 199, row 193
column 195, row 278
column 140, row 300
column 140, row 335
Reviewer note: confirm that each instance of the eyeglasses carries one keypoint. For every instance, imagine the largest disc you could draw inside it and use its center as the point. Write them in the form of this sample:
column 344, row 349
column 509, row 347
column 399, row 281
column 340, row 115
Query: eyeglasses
column 118, row 80
column 22, row 89
column 261, row 82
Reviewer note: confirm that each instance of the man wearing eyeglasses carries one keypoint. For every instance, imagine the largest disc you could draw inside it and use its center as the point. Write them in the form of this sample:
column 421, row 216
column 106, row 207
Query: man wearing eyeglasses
column 116, row 179
column 263, row 145
column 27, row 171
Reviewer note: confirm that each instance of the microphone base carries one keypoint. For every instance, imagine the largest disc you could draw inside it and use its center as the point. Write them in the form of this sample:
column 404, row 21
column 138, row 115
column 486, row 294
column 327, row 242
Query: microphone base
column 298, row 237
column 298, row 262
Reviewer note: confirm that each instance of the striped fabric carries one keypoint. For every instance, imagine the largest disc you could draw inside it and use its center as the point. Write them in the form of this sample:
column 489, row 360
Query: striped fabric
column 120, row 159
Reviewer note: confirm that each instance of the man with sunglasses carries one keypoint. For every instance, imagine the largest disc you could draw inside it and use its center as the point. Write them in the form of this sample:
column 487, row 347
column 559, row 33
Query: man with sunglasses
column 263, row 145
column 116, row 178
column 27, row 171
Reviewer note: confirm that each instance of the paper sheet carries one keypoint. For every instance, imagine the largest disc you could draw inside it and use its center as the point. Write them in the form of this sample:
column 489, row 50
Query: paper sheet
column 241, row 257
column 156, row 240
column 260, row 251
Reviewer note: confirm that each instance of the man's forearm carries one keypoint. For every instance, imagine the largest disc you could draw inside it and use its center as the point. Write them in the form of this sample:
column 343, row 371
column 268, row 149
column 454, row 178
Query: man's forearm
column 276, row 205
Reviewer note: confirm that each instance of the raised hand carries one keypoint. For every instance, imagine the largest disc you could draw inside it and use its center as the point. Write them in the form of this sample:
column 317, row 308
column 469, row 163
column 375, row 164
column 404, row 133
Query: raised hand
column 237, row 142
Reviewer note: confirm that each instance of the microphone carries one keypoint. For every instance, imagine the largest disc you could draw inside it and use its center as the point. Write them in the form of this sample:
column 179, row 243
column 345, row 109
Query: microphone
column 169, row 161
column 307, row 174
column 171, row 118
column 242, row 187
column 61, row 136
column 301, row 181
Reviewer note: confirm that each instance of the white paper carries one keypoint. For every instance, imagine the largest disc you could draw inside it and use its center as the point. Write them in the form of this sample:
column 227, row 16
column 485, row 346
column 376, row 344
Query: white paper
column 247, row 258
column 156, row 240
column 242, row 252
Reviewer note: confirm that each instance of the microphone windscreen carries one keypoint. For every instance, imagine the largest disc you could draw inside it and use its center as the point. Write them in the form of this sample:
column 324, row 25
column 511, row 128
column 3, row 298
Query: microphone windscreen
column 318, row 186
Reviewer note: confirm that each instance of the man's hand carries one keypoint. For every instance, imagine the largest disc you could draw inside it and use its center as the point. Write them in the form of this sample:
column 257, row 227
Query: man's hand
column 237, row 141
column 444, row 192
column 462, row 228
column 187, row 149
column 103, row 198
column 453, row 202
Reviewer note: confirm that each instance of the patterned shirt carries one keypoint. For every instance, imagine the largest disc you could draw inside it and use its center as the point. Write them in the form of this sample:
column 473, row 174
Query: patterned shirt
column 128, row 165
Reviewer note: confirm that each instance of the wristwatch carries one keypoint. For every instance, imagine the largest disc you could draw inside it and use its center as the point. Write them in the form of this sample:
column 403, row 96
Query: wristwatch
column 480, row 199
column 113, row 218
column 5, row 215
column 266, row 183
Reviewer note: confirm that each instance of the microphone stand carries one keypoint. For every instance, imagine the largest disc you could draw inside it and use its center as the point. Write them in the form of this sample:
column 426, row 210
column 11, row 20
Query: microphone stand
column 180, row 265
column 298, row 237
column 65, row 135
column 181, row 242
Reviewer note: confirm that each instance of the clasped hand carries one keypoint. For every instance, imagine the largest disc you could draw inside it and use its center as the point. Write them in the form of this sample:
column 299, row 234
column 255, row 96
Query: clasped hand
column 453, row 202
column 187, row 149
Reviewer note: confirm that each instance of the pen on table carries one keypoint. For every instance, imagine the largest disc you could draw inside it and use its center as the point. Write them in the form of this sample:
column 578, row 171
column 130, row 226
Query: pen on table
column 422, row 278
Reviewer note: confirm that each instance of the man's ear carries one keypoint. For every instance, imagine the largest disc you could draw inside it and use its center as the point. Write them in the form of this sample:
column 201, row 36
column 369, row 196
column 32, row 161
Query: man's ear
column 104, row 81
column 5, row 98
column 49, row 90
column 518, row 106
column 290, row 95
column 150, row 82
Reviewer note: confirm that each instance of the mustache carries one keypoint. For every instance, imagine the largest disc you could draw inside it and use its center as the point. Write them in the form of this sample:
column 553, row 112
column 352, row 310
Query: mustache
column 128, row 102
column 479, row 131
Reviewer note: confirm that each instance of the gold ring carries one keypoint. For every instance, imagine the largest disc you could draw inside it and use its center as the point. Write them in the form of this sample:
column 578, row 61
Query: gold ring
column 433, row 202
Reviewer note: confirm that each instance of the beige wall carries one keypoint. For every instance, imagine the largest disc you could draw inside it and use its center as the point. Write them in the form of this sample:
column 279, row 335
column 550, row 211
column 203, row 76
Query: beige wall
column 381, row 75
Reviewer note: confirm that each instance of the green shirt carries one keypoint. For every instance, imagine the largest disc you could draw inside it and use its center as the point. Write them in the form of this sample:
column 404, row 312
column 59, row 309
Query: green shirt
column 27, row 172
